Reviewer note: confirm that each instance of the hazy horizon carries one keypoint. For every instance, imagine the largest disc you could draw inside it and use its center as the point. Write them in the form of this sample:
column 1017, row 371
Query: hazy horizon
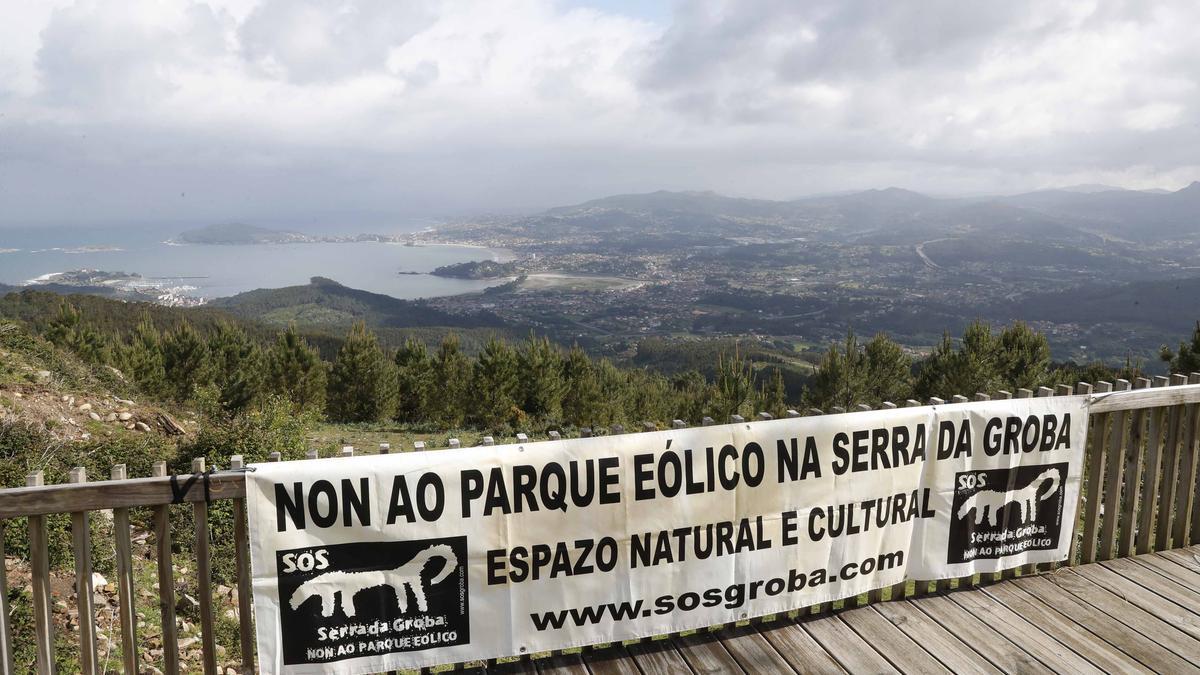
column 363, row 112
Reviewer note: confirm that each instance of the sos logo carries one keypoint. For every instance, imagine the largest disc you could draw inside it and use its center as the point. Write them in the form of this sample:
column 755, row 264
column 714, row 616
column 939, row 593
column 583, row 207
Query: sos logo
column 970, row 481
column 308, row 561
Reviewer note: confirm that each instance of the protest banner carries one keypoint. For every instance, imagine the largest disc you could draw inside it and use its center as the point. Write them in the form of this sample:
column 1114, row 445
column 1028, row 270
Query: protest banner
column 406, row 560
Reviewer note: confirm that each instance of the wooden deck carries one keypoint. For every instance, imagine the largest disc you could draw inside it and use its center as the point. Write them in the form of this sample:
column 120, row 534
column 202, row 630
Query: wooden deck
column 1128, row 615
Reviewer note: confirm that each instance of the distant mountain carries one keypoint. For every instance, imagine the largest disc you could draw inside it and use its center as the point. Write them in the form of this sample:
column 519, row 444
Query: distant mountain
column 240, row 234
column 1127, row 213
column 324, row 302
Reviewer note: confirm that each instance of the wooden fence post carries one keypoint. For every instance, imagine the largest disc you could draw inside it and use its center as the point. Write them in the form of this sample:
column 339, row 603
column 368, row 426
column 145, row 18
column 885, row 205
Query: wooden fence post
column 166, row 581
column 1133, row 476
column 1115, row 461
column 6, row 642
column 245, row 586
column 1170, row 471
column 1152, row 478
column 126, row 597
column 1188, row 530
column 208, row 640
column 81, row 545
column 39, row 564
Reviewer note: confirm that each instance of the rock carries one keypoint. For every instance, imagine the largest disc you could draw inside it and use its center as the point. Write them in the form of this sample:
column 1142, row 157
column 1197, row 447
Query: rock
column 85, row 407
column 17, row 394
column 125, row 416
column 142, row 426
column 110, row 417
column 123, row 401
column 94, row 417
column 98, row 581
column 65, row 398
column 129, row 426
column 43, row 375
column 187, row 642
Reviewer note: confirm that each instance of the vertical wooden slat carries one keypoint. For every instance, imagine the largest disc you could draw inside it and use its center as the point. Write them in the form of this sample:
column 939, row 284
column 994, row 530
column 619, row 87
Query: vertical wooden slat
column 1089, row 504
column 1131, row 486
column 39, row 570
column 204, row 579
column 1097, row 466
column 81, row 544
column 6, row 641
column 1113, row 479
column 1187, row 502
column 1151, row 480
column 166, row 581
column 938, row 585
column 125, row 597
column 1169, row 475
column 241, row 541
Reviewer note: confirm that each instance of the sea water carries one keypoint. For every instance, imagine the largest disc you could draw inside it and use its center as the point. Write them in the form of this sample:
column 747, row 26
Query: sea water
column 212, row 271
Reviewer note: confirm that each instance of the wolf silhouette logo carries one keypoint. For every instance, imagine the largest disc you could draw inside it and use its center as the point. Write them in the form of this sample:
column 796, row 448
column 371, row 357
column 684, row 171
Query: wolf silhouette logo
column 988, row 504
column 401, row 580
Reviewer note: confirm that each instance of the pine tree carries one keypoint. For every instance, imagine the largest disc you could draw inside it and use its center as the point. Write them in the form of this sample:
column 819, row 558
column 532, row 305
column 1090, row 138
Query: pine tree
column 772, row 394
column 542, row 387
column 237, row 367
column 693, row 396
column 295, row 370
column 496, row 386
column 414, row 375
column 142, row 359
column 735, row 384
column 451, row 384
column 1187, row 359
column 581, row 398
column 186, row 363
column 362, row 385
column 1022, row 357
column 971, row 368
column 70, row 331
column 873, row 373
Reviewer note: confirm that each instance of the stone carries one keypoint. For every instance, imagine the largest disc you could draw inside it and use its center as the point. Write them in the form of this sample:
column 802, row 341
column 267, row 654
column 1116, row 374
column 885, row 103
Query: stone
column 85, row 407
column 125, row 416
column 94, row 417
column 43, row 375
column 110, row 417
column 142, row 426
column 98, row 581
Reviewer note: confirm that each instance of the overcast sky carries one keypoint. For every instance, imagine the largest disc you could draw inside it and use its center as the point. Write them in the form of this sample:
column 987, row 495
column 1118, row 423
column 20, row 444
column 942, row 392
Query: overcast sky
column 274, row 111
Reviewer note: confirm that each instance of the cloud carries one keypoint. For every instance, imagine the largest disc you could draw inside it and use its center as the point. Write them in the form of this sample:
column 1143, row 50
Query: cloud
column 373, row 108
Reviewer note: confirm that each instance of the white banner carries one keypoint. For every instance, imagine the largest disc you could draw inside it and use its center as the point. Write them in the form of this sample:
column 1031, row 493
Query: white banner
column 374, row 563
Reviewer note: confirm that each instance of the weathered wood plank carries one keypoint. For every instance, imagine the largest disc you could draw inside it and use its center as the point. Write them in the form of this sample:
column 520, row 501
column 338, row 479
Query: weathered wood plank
column 1161, row 582
column 81, row 546
column 1185, row 557
column 1189, row 457
column 1150, row 398
column 1152, row 476
column 561, row 664
column 953, row 653
column 752, row 651
column 1090, row 498
column 844, row 645
column 1169, row 476
column 612, row 660
column 208, row 639
column 39, row 570
column 1113, row 479
column 125, row 596
column 6, row 639
column 1134, row 458
column 704, row 653
column 658, row 657
column 166, row 581
column 245, row 589
column 114, row 494
column 799, row 648
column 1132, row 580
column 902, row 651
column 1167, row 568
column 522, row 666
column 1164, row 622
column 1157, row 654
column 1020, row 648
column 1061, row 628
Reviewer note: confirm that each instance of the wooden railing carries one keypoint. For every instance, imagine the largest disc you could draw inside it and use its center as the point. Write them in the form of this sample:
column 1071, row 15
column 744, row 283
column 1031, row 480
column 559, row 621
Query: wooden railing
column 1139, row 494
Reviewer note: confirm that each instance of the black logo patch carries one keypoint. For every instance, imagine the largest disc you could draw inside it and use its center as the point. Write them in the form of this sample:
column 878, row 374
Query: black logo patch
column 1001, row 512
column 352, row 600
